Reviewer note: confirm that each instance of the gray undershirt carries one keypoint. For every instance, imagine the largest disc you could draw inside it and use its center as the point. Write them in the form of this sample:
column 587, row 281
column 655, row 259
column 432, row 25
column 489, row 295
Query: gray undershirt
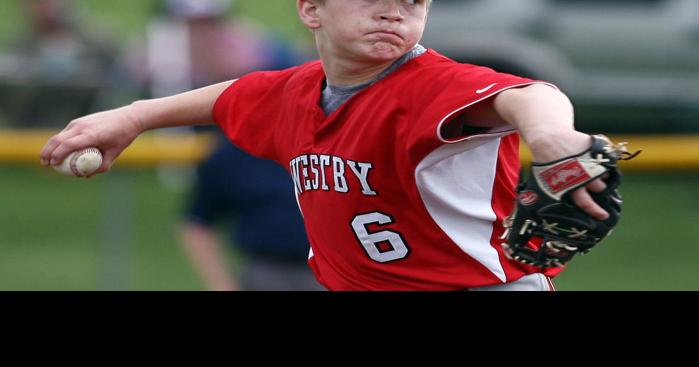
column 334, row 96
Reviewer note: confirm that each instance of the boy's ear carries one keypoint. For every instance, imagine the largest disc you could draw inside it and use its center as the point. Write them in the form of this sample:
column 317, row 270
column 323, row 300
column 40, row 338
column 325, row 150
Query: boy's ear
column 308, row 13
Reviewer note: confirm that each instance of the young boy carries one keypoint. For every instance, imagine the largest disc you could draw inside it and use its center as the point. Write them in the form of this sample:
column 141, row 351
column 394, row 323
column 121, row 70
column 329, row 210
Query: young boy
column 404, row 161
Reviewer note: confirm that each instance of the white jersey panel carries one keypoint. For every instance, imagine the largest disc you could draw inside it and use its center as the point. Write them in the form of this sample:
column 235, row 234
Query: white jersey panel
column 456, row 185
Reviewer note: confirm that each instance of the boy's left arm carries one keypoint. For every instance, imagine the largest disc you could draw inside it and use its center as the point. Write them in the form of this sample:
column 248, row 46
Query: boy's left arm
column 544, row 117
column 570, row 201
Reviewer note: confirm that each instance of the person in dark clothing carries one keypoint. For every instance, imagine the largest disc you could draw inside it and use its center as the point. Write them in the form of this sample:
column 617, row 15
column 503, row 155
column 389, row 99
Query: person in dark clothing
column 254, row 199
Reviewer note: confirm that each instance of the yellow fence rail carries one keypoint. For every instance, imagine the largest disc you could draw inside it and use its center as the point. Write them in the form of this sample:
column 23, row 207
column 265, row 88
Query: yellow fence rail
column 660, row 152
column 150, row 149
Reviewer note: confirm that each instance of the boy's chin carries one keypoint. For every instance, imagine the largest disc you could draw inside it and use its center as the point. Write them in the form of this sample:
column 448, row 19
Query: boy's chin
column 386, row 52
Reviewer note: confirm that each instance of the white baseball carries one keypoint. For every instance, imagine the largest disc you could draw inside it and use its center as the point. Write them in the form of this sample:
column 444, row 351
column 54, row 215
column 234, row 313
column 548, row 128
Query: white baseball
column 81, row 163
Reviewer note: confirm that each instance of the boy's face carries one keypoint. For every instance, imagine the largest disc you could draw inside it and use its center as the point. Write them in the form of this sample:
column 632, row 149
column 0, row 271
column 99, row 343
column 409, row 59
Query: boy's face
column 365, row 30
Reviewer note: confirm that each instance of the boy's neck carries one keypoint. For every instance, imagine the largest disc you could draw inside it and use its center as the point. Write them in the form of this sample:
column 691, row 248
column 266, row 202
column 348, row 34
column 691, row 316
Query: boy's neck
column 350, row 73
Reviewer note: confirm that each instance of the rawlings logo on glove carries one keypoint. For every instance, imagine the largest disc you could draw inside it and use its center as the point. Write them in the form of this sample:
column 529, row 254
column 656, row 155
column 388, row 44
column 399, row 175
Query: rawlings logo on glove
column 546, row 228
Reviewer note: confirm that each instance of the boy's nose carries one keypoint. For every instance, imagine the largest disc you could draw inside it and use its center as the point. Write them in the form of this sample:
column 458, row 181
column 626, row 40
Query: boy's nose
column 391, row 11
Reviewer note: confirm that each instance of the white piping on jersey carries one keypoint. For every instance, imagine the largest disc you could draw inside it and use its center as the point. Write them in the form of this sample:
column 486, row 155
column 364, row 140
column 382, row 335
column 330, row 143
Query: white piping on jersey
column 494, row 132
column 455, row 182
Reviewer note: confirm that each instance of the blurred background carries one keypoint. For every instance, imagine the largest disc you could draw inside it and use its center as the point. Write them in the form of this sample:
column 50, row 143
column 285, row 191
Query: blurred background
column 631, row 68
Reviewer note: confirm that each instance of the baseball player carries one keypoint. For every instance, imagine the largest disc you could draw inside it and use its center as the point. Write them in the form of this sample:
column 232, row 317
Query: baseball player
column 404, row 162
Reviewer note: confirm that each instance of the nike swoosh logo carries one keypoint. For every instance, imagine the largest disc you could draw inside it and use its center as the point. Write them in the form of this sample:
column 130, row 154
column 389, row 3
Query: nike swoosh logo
column 481, row 91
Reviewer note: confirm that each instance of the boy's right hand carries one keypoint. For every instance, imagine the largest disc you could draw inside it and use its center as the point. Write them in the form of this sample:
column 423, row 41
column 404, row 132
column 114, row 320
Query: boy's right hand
column 110, row 131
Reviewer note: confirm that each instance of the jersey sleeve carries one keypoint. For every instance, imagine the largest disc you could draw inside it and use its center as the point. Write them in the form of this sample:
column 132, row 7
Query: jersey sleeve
column 454, row 90
column 249, row 112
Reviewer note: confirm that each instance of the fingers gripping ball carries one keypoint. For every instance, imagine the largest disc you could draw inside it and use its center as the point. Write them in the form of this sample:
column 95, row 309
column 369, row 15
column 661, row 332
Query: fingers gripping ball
column 546, row 228
column 81, row 163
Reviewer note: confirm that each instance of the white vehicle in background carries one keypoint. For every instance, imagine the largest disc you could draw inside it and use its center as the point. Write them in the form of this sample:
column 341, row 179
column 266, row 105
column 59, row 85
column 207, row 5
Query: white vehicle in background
column 629, row 65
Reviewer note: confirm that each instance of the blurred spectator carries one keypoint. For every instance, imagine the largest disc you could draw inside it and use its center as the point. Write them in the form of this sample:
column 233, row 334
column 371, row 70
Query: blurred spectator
column 256, row 200
column 54, row 72
column 194, row 43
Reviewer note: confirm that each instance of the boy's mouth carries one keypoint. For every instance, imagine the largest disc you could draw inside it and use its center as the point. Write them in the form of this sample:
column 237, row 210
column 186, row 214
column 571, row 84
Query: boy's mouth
column 387, row 33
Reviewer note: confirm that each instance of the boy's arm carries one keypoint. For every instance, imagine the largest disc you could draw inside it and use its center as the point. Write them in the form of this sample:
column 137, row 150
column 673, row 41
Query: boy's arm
column 544, row 118
column 207, row 254
column 114, row 130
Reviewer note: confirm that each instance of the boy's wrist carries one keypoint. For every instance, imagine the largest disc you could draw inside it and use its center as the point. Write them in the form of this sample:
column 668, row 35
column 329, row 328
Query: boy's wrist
column 553, row 145
column 136, row 112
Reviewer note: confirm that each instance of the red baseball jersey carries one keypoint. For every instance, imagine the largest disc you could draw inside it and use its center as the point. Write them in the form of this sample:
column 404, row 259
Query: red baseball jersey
column 388, row 201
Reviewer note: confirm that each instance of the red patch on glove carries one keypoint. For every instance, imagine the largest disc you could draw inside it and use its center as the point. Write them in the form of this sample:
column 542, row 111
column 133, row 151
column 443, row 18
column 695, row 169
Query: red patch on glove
column 565, row 175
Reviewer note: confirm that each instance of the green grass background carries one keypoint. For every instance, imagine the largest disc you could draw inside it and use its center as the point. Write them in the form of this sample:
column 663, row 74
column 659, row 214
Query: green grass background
column 52, row 233
column 52, row 230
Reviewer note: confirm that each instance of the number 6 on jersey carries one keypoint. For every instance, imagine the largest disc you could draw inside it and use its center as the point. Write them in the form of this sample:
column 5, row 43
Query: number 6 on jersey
column 373, row 242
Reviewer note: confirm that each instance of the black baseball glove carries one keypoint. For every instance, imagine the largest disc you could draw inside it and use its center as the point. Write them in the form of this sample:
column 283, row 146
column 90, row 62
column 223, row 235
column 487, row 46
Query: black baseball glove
column 546, row 228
